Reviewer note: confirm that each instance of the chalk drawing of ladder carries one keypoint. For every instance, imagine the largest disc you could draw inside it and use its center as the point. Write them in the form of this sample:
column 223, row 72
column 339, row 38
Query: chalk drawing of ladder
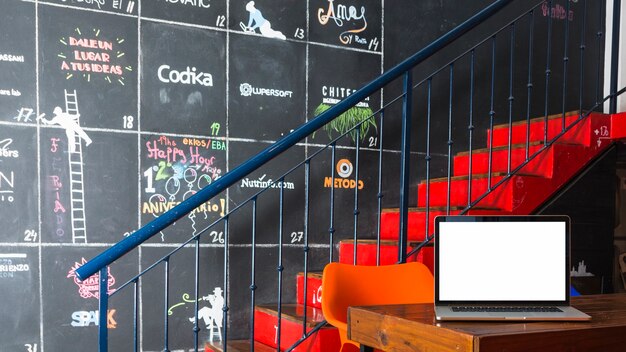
column 77, row 197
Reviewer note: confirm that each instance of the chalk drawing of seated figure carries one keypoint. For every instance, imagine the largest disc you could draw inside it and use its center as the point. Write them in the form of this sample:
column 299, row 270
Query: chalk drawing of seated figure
column 213, row 316
column 256, row 20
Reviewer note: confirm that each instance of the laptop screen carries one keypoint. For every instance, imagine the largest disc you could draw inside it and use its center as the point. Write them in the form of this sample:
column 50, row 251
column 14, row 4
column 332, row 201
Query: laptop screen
column 502, row 259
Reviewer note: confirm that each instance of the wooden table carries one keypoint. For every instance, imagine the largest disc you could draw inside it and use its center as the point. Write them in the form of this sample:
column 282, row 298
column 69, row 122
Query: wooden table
column 414, row 328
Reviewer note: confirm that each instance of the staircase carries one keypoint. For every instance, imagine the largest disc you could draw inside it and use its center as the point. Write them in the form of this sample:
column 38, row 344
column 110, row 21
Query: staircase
column 519, row 167
column 552, row 166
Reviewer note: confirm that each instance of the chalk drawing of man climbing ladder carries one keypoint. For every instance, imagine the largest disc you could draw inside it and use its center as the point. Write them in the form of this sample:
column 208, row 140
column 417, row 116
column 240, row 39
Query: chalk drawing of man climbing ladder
column 69, row 122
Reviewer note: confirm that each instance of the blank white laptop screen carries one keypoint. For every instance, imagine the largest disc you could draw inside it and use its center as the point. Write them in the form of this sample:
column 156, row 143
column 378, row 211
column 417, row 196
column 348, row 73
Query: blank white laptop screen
column 502, row 261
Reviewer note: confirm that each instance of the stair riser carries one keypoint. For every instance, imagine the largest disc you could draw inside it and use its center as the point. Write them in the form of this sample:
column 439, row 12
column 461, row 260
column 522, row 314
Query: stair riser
column 500, row 198
column 390, row 226
column 520, row 194
column 390, row 222
column 426, row 256
column 542, row 165
column 581, row 134
column 508, row 197
column 618, row 127
column 313, row 291
column 535, row 191
column 366, row 254
column 266, row 327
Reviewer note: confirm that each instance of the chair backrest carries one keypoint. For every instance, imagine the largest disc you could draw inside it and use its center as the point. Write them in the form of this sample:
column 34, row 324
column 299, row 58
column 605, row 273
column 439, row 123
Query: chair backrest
column 345, row 285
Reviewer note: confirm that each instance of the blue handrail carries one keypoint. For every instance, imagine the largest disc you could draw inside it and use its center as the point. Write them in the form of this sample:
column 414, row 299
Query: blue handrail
column 146, row 232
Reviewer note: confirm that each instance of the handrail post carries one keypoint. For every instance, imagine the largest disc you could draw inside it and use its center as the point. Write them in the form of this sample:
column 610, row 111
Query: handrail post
column 404, row 166
column 103, row 307
column 617, row 8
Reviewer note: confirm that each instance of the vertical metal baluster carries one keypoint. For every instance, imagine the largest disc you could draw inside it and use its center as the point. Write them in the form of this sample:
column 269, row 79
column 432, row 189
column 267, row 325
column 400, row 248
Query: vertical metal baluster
column 600, row 42
column 565, row 61
column 307, row 179
column 356, row 191
column 380, row 184
column 548, row 73
column 136, row 315
column 470, row 128
column 331, row 229
column 582, row 59
column 529, row 86
column 492, row 112
column 225, row 309
column 428, row 157
column 166, row 343
column 511, row 97
column 617, row 9
column 405, row 160
column 196, row 326
column 281, row 208
column 253, row 286
column 450, row 141
column 103, row 306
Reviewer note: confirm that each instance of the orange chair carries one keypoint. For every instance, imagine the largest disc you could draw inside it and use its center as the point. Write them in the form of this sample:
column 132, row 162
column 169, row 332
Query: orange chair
column 345, row 285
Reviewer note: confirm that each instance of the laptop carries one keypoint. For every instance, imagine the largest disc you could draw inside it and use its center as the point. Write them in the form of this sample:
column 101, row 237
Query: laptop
column 503, row 268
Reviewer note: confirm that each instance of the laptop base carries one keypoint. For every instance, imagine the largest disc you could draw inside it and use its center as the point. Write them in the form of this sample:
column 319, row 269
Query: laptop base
column 444, row 313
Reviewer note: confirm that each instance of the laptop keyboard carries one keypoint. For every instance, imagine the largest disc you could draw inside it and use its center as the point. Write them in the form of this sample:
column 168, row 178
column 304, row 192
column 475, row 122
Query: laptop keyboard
column 506, row 309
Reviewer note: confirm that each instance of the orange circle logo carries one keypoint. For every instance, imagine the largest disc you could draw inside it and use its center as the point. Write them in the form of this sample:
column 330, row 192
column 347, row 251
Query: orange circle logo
column 344, row 168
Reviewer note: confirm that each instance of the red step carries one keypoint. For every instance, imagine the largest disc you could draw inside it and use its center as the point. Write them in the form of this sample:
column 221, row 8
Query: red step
column 582, row 133
column 313, row 289
column 237, row 346
column 618, row 126
column 367, row 249
column 325, row 339
column 390, row 221
column 426, row 256
column 521, row 194
column 542, row 165
column 525, row 191
column 507, row 196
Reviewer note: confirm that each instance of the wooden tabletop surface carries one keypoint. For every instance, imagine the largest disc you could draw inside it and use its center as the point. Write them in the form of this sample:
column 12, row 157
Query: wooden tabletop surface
column 414, row 328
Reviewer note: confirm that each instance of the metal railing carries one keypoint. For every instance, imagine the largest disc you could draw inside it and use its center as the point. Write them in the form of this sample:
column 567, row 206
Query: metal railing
column 478, row 69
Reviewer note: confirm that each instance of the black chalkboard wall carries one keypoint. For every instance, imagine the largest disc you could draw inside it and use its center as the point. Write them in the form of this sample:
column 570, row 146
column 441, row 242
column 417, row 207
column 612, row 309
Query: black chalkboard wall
column 111, row 111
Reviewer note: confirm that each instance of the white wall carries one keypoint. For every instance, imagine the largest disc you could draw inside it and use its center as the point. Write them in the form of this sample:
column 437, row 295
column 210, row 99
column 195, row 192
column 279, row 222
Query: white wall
column 621, row 82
